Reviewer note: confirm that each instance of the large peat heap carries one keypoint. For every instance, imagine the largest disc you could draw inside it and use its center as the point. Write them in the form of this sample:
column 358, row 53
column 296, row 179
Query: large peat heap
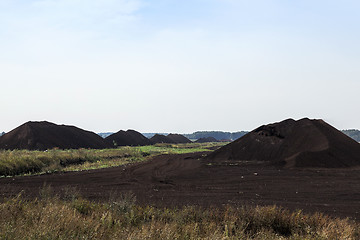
column 303, row 143
column 45, row 135
column 159, row 138
column 128, row 138
column 178, row 138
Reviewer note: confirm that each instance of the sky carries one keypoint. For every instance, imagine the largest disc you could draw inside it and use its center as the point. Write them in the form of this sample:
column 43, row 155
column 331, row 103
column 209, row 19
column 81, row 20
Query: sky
column 179, row 65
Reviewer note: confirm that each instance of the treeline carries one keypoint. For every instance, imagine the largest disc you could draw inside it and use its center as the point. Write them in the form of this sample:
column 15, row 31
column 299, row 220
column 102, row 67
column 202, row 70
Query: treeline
column 219, row 135
column 150, row 135
column 104, row 135
column 353, row 133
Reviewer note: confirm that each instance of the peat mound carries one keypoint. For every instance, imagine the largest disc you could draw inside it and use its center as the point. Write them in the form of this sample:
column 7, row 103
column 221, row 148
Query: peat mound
column 178, row 138
column 128, row 138
column 206, row 140
column 293, row 144
column 159, row 138
column 165, row 166
column 45, row 135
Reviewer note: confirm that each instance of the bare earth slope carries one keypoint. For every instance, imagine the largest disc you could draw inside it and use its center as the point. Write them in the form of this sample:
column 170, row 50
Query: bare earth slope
column 290, row 143
column 178, row 138
column 128, row 138
column 159, row 138
column 45, row 135
column 177, row 180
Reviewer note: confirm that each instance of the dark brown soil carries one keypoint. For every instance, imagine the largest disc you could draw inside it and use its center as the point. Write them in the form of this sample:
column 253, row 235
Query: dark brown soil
column 207, row 139
column 159, row 138
column 178, row 138
column 46, row 135
column 176, row 180
column 128, row 138
column 293, row 144
column 305, row 164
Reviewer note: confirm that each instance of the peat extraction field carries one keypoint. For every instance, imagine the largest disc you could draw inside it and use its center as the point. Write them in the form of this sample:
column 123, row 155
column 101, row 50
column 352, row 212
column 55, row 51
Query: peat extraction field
column 293, row 179
column 186, row 179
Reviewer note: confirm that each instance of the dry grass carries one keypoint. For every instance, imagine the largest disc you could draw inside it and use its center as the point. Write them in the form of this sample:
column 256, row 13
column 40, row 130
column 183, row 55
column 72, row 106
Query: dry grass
column 78, row 218
column 73, row 217
column 21, row 162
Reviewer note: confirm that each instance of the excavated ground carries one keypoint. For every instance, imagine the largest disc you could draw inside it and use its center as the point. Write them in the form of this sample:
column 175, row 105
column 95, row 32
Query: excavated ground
column 176, row 180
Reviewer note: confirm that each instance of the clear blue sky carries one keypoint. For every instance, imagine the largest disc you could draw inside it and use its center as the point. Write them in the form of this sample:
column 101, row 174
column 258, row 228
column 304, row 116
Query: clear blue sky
column 177, row 65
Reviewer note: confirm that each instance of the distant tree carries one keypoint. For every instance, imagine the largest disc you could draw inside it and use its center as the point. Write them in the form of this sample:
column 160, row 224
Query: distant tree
column 2, row 133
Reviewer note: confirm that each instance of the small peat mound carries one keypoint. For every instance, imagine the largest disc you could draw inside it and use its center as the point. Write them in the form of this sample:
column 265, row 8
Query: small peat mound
column 45, row 135
column 206, row 140
column 293, row 144
column 178, row 138
column 159, row 138
column 128, row 138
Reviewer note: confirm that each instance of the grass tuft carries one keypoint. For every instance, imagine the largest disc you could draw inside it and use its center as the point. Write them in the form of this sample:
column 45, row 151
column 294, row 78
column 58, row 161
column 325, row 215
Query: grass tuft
column 121, row 218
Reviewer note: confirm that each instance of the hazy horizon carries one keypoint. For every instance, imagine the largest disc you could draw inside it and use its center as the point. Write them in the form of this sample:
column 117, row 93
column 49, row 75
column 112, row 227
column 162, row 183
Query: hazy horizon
column 162, row 132
column 178, row 66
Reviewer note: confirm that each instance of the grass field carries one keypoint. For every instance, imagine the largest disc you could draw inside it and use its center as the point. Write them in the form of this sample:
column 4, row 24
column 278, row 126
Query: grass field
column 22, row 162
column 76, row 218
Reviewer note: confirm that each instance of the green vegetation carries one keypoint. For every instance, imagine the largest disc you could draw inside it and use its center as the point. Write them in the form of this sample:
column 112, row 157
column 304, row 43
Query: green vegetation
column 19, row 162
column 77, row 218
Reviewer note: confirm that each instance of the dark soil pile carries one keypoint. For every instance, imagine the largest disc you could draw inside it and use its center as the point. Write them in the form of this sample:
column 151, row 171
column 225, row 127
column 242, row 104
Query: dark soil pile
column 46, row 135
column 303, row 143
column 128, row 138
column 207, row 139
column 159, row 138
column 178, row 138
